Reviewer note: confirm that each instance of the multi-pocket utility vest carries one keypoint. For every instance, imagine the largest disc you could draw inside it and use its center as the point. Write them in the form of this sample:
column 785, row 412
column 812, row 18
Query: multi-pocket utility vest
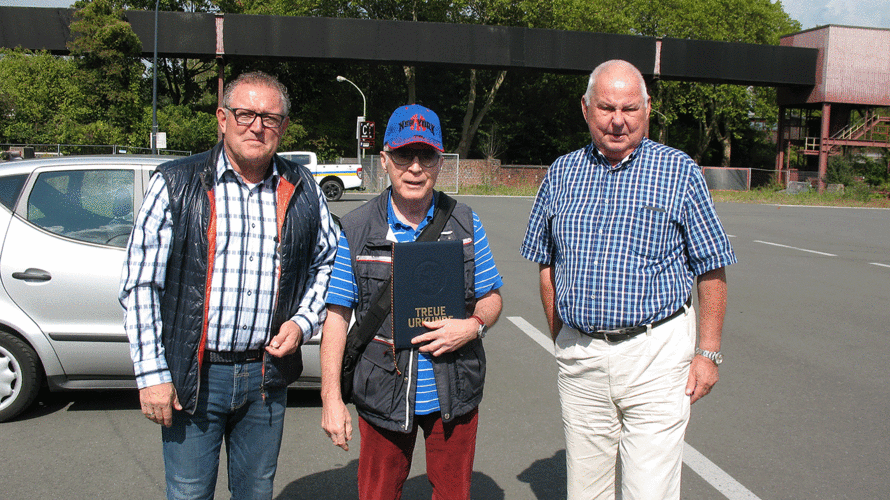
column 385, row 378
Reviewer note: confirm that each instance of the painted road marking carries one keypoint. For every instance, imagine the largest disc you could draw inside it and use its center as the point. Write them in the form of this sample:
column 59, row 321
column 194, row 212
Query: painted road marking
column 795, row 248
column 715, row 476
column 545, row 341
column 709, row 471
column 879, row 264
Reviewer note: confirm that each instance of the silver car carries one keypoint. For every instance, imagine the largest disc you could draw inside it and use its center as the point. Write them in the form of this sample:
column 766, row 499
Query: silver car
column 64, row 224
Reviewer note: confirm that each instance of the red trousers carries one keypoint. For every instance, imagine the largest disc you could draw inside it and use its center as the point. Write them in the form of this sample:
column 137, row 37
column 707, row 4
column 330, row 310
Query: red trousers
column 385, row 457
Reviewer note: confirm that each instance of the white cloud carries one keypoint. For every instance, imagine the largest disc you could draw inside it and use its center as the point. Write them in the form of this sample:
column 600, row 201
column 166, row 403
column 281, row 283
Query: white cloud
column 866, row 13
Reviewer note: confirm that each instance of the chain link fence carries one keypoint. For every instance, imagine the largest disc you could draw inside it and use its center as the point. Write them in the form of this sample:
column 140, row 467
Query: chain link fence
column 375, row 180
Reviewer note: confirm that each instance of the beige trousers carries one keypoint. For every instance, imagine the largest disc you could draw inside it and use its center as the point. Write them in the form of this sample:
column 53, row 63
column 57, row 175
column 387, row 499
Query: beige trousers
column 624, row 405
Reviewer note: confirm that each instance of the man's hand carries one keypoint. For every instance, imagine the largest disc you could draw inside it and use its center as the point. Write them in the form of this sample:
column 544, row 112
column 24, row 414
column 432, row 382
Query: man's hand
column 703, row 374
column 337, row 423
column 447, row 335
column 289, row 337
column 158, row 403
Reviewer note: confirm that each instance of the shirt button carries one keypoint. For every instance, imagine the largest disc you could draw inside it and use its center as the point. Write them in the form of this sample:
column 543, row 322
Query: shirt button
column 249, row 293
column 244, row 327
column 446, row 416
column 251, row 258
column 253, row 224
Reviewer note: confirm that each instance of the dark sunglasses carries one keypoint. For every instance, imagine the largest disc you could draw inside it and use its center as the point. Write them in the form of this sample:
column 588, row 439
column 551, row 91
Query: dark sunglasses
column 427, row 157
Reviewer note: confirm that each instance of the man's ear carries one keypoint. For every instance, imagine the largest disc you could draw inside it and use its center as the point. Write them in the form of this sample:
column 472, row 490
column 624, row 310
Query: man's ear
column 221, row 119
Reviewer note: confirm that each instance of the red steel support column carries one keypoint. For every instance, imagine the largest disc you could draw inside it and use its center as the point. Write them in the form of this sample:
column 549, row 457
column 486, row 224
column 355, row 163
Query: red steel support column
column 780, row 145
column 823, row 146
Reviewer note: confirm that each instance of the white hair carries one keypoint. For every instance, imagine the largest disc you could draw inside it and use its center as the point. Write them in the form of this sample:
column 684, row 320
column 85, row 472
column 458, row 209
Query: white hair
column 614, row 64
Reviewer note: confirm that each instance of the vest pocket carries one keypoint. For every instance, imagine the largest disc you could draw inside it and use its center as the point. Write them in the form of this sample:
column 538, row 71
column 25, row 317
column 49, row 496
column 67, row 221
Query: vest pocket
column 378, row 388
column 470, row 371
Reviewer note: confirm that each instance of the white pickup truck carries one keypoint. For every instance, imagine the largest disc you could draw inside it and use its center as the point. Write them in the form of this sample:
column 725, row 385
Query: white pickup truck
column 332, row 177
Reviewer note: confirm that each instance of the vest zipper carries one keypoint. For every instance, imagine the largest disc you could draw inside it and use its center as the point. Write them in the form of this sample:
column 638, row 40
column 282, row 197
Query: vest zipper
column 409, row 376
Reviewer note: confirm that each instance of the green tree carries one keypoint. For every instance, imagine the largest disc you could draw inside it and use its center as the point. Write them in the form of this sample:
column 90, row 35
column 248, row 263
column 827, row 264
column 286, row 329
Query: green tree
column 720, row 112
column 40, row 101
column 182, row 81
column 476, row 104
column 107, row 52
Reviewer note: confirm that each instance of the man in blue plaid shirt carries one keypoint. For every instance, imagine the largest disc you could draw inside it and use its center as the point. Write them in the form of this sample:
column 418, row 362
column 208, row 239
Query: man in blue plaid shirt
column 622, row 229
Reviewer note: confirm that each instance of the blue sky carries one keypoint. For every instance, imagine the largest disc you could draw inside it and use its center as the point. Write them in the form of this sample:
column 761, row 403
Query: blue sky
column 810, row 13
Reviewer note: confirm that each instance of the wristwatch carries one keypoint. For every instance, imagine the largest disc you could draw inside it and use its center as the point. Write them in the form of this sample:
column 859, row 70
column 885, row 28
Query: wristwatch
column 716, row 357
column 481, row 331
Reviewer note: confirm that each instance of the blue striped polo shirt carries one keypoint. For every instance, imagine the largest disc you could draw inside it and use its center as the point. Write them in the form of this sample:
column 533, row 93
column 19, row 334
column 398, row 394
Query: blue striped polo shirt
column 343, row 291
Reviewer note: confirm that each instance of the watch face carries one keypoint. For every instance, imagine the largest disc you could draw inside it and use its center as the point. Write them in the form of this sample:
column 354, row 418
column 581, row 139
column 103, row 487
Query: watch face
column 718, row 358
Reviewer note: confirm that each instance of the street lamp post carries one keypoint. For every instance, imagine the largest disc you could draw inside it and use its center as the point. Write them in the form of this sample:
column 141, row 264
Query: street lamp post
column 154, row 89
column 358, row 123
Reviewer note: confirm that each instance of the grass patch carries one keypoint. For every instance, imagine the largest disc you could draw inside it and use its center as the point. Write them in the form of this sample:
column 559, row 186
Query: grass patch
column 855, row 196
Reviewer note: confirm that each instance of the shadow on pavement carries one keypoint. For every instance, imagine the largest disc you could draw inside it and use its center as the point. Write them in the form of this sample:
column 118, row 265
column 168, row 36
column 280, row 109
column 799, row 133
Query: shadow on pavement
column 546, row 477
column 340, row 484
column 303, row 398
column 48, row 402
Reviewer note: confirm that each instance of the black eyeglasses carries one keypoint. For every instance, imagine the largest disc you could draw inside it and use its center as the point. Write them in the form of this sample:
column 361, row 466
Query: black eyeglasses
column 427, row 157
column 246, row 118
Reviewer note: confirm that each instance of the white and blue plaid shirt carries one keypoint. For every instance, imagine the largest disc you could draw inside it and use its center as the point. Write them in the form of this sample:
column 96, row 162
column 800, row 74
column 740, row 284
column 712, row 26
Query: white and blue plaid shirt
column 244, row 280
column 625, row 242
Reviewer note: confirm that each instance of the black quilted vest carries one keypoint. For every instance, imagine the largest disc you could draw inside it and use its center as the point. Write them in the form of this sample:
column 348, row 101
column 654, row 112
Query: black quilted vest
column 190, row 184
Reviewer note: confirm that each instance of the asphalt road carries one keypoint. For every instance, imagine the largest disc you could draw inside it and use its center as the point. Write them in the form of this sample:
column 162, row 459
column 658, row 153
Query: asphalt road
column 799, row 412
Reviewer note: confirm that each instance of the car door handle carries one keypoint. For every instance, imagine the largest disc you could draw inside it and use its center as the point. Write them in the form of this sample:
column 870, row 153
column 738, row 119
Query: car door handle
column 32, row 274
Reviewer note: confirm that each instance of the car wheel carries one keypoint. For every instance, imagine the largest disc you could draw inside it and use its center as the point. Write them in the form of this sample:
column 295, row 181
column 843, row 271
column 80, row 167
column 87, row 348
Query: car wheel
column 332, row 189
column 19, row 376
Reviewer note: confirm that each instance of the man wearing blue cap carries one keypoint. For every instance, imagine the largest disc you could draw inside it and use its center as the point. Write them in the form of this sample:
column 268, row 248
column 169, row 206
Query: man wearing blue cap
column 437, row 384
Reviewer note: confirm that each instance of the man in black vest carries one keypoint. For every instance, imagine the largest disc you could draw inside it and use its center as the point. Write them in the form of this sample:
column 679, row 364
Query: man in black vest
column 436, row 385
column 226, row 273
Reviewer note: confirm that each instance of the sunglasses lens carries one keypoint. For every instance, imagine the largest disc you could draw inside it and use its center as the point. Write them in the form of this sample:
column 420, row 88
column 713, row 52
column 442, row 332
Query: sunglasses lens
column 405, row 156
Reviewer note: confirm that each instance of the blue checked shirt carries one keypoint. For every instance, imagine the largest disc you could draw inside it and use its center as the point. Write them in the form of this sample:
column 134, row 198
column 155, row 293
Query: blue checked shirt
column 244, row 280
column 625, row 242
column 344, row 291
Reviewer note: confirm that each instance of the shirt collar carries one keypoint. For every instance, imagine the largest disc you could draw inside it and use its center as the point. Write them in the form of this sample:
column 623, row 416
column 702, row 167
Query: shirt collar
column 394, row 221
column 597, row 157
column 223, row 165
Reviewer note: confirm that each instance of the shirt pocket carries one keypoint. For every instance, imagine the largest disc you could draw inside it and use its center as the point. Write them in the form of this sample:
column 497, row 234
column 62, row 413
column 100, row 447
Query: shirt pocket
column 649, row 228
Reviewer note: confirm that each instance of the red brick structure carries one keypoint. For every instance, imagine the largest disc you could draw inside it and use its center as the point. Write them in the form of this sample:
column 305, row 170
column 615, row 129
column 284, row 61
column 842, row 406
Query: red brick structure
column 852, row 75
column 492, row 173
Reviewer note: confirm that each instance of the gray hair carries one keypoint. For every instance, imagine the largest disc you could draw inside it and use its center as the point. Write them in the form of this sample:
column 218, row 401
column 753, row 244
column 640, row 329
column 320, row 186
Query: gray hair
column 608, row 65
column 261, row 79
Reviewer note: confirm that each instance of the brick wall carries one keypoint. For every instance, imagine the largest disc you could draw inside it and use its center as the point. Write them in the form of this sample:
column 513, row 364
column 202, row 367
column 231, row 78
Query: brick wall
column 491, row 172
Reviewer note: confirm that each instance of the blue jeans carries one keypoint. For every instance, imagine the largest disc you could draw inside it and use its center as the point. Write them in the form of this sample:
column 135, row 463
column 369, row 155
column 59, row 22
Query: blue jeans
column 230, row 405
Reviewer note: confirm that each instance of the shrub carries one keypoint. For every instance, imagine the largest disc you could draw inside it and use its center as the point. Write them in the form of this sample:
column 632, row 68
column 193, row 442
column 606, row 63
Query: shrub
column 839, row 171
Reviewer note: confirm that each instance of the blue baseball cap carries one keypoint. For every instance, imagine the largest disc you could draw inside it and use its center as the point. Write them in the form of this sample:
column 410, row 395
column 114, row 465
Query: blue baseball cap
column 411, row 124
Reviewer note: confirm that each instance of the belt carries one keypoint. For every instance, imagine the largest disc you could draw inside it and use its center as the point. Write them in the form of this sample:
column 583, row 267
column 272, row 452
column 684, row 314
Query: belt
column 232, row 357
column 620, row 334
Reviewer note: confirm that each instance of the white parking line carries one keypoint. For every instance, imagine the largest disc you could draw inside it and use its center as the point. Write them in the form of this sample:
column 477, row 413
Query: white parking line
column 545, row 341
column 713, row 475
column 795, row 248
column 879, row 264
